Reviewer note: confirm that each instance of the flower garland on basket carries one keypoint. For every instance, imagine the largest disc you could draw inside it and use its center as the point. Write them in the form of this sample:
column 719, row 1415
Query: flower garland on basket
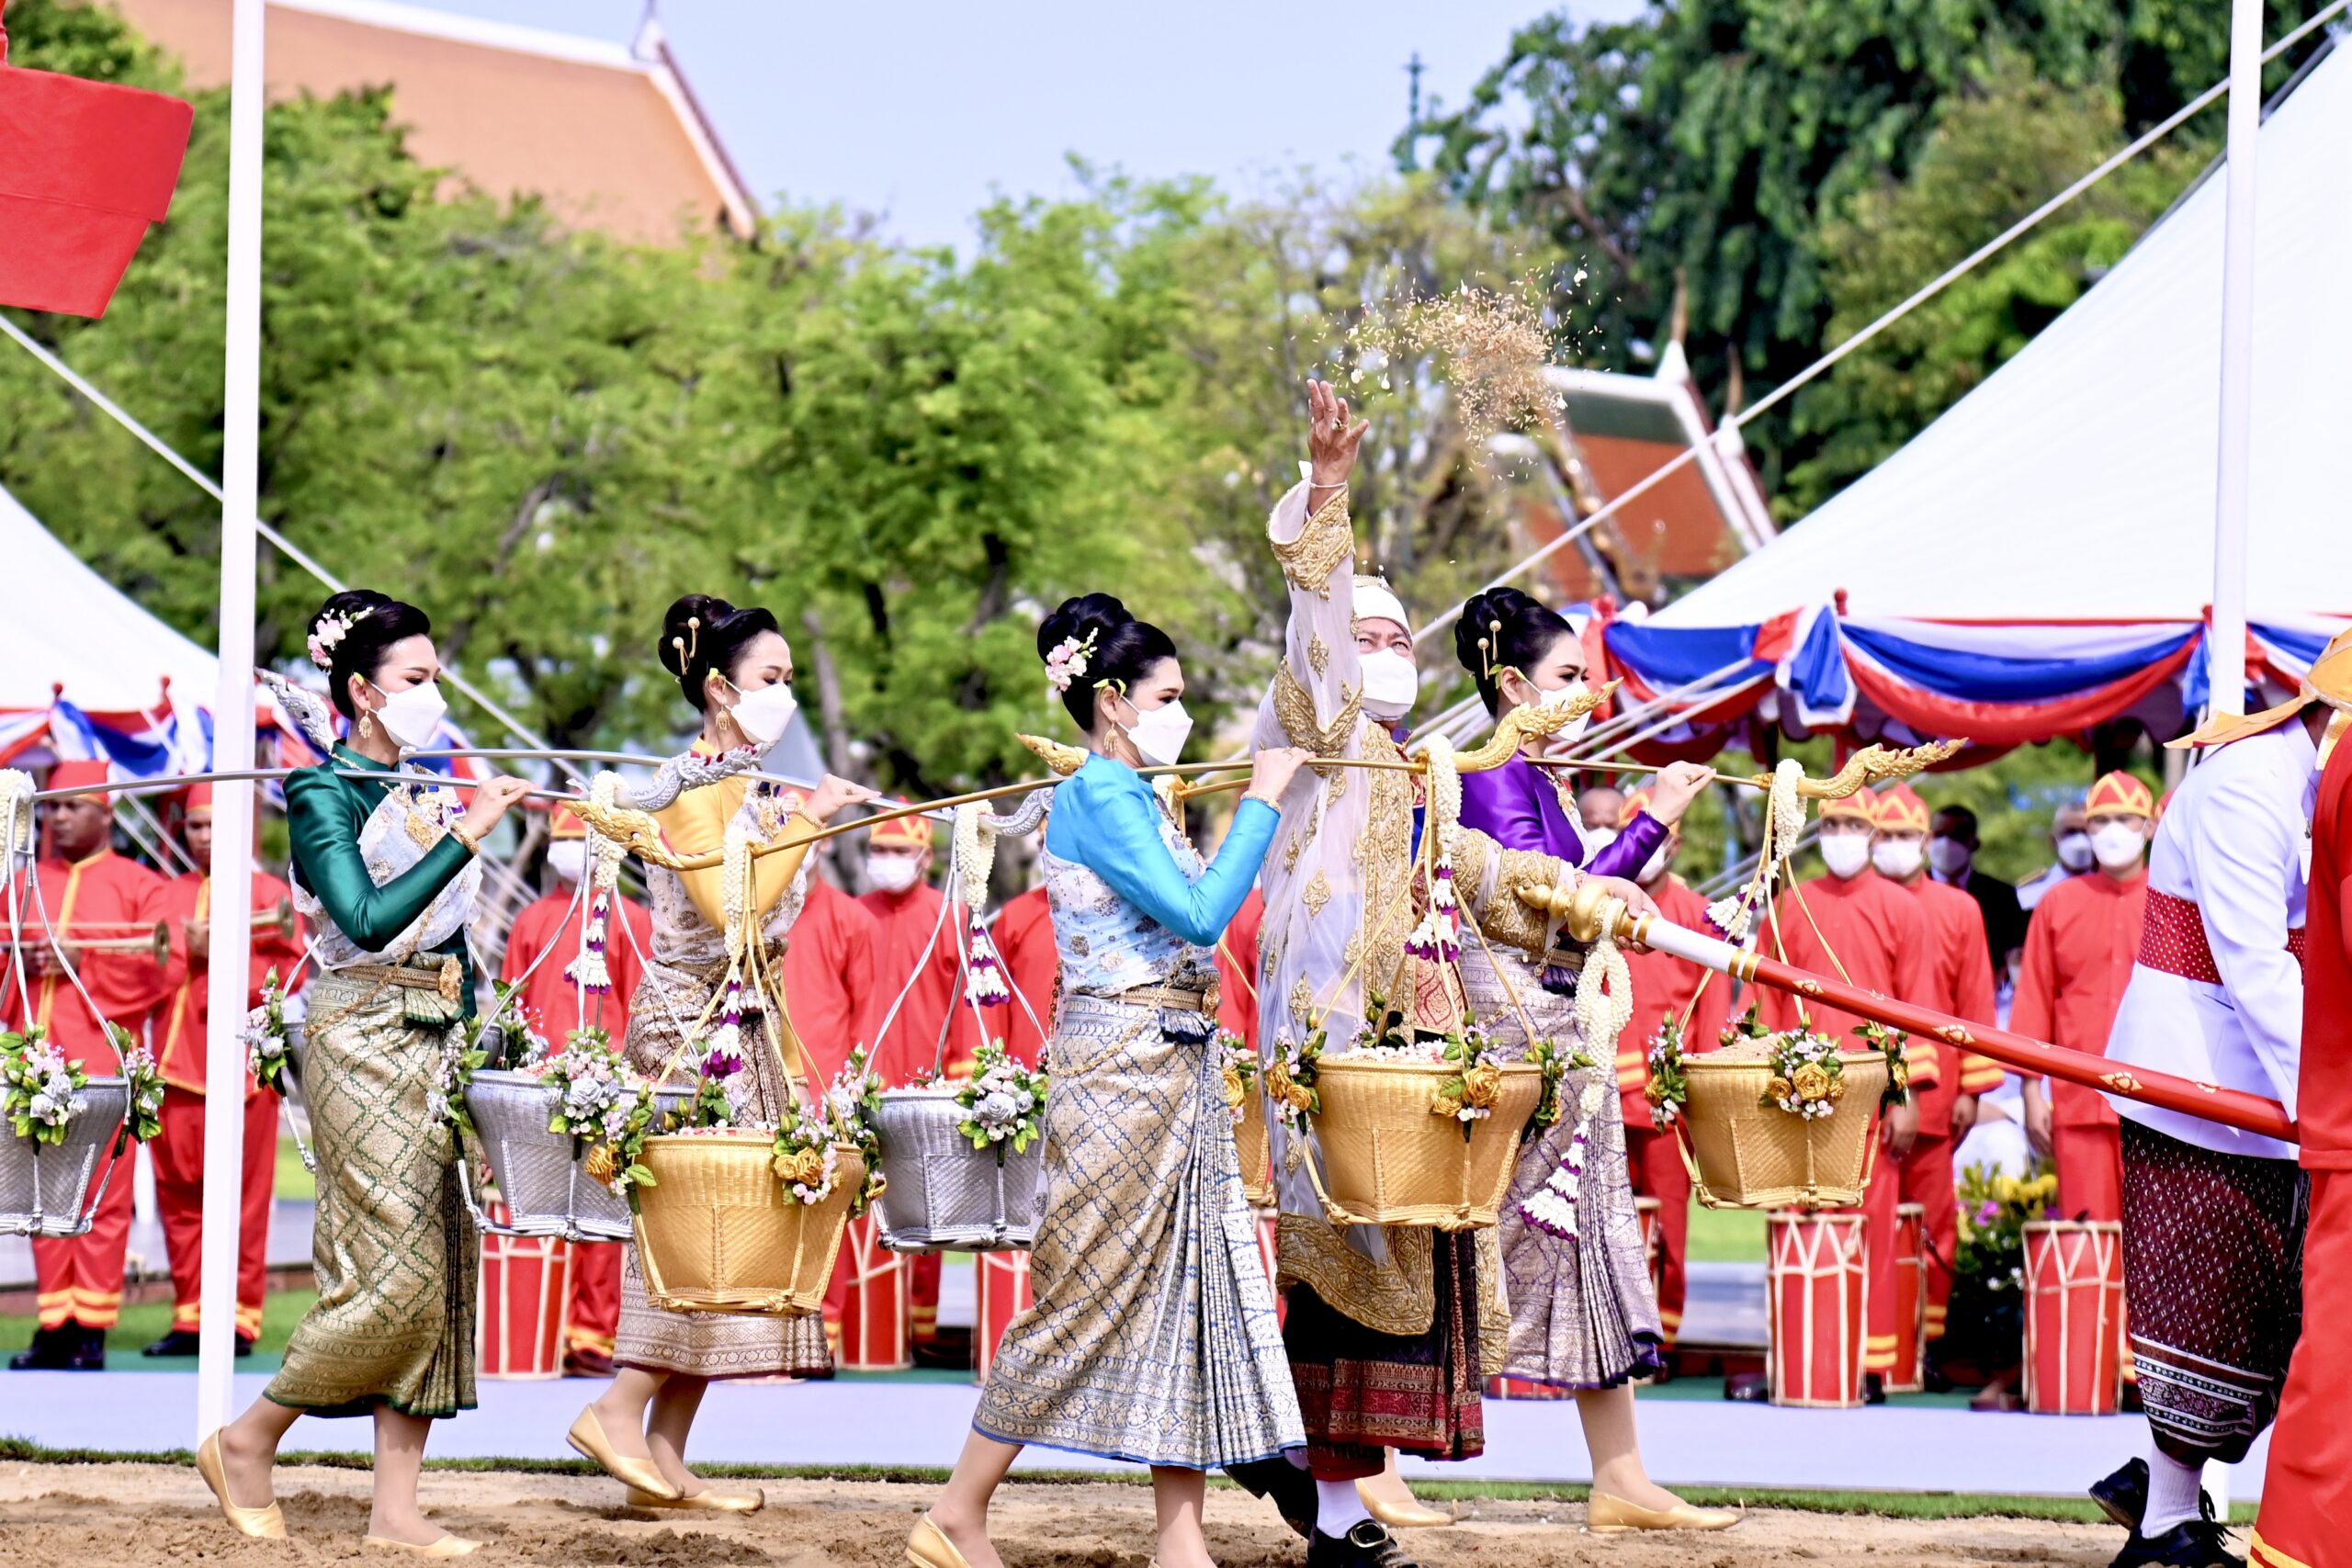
column 1668, row 1089
column 971, row 863
column 1238, row 1070
column 1290, row 1078
column 854, row 1100
column 461, row 1057
column 1471, row 1095
column 38, row 1086
column 1808, row 1075
column 1890, row 1043
column 805, row 1159
column 145, row 1080
column 605, row 1106
column 264, row 1035
column 509, row 1044
column 1003, row 1102
column 588, row 970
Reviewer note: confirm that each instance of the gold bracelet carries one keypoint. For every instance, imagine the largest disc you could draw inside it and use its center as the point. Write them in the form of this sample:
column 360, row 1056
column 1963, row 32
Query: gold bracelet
column 458, row 832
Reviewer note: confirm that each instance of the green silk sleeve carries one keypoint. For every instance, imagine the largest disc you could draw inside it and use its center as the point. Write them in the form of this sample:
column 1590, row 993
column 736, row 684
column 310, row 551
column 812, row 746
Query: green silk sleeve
column 324, row 824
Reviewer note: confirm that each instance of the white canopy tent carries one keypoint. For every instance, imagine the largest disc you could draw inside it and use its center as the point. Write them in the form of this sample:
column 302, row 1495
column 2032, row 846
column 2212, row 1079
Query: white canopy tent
column 2077, row 483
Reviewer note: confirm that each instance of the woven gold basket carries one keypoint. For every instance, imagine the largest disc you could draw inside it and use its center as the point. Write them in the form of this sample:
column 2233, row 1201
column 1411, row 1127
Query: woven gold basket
column 716, row 1231
column 1250, row 1143
column 1744, row 1154
column 1388, row 1161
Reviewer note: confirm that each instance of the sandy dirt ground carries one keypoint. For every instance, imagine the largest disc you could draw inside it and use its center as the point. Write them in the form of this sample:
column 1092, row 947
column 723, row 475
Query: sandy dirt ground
column 92, row 1514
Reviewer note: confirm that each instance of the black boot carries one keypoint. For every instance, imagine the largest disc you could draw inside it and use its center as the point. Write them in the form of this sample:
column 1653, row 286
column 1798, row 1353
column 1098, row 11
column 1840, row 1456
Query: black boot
column 49, row 1352
column 1288, row 1487
column 178, row 1342
column 90, row 1354
column 1873, row 1389
column 2123, row 1496
column 1367, row 1544
column 2197, row 1544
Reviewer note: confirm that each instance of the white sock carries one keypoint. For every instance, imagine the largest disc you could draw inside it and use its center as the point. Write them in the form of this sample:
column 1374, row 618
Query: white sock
column 1339, row 1508
column 2173, row 1491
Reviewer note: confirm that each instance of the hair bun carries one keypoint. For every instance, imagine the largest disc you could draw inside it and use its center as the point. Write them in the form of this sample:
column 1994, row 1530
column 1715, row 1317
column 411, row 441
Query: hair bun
column 683, row 626
column 1101, row 614
column 349, row 604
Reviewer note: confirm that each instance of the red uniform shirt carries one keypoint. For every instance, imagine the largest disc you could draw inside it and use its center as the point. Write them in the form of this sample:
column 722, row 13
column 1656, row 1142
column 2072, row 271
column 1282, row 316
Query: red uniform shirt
column 1663, row 986
column 1962, row 987
column 105, row 897
column 2323, row 1099
column 552, row 999
column 908, row 946
column 181, row 1020
column 2079, row 955
column 1880, row 934
column 1237, row 970
column 1024, row 939
column 828, row 975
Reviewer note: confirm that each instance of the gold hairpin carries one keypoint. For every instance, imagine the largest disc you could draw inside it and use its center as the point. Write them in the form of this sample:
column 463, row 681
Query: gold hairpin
column 680, row 644
column 694, row 628
column 1487, row 651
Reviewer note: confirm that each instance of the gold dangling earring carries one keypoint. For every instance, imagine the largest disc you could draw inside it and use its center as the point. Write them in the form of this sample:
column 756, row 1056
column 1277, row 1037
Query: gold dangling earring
column 366, row 725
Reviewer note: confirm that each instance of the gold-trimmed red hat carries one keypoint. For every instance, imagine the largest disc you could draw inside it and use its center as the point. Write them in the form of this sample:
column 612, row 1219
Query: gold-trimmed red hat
column 904, row 833
column 1636, row 803
column 1860, row 806
column 566, row 824
column 2330, row 681
column 2121, row 794
column 198, row 798
column 1900, row 810
column 82, row 772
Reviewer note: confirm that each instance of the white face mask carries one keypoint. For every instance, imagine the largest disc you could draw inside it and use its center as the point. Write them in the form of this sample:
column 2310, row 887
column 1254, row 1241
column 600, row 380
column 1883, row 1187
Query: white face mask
column 1391, row 683
column 1598, row 838
column 412, row 718
column 568, row 857
column 2118, row 845
column 1845, row 854
column 1159, row 733
column 763, row 715
column 1897, row 858
column 2074, row 850
column 893, row 874
column 1949, row 856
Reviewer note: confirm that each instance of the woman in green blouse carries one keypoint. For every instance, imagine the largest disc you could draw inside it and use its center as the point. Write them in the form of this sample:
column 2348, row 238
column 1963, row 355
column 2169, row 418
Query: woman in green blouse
column 386, row 871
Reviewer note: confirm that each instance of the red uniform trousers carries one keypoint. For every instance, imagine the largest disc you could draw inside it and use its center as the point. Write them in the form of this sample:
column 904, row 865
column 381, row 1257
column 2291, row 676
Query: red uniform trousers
column 2307, row 1490
column 80, row 1278
column 1928, row 1181
column 1655, row 1160
column 595, row 1316
column 179, row 1196
column 1879, row 1203
column 2090, row 1171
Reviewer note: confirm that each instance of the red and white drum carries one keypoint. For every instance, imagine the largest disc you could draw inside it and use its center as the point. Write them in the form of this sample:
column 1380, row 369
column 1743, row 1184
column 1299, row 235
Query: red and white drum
column 525, row 1297
column 1816, row 1290
column 1003, row 1293
column 877, row 1326
column 1910, row 1373
column 2073, row 1317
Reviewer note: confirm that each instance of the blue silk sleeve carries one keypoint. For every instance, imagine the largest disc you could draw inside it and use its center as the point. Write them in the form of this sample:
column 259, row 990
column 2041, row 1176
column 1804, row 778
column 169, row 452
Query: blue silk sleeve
column 1115, row 832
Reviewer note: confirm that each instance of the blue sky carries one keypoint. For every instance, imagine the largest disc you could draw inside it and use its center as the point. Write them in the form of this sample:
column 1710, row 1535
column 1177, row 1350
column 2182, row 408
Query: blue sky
column 921, row 111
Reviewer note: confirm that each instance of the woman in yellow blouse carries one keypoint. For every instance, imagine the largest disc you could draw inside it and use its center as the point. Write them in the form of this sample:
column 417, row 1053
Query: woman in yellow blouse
column 736, row 668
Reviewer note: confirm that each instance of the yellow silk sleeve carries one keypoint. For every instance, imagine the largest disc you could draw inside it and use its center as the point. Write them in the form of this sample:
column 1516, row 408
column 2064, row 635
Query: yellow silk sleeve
column 695, row 824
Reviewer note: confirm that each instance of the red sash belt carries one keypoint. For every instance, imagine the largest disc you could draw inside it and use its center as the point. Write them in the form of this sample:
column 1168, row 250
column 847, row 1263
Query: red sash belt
column 2172, row 939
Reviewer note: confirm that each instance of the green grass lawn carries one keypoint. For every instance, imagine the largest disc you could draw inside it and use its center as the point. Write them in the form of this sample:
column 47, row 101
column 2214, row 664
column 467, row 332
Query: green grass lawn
column 144, row 1323
column 293, row 1181
column 1726, row 1235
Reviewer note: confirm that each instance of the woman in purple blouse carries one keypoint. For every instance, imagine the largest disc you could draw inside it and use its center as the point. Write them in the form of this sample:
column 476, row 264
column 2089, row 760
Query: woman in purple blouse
column 1582, row 1313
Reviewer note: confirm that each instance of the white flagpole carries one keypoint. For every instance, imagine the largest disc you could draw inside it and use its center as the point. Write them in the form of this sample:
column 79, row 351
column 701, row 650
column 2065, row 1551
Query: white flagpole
column 225, row 1078
column 2234, row 471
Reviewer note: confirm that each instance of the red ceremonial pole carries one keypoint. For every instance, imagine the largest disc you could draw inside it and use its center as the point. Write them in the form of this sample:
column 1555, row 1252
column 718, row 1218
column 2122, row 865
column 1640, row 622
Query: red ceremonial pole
column 2230, row 1107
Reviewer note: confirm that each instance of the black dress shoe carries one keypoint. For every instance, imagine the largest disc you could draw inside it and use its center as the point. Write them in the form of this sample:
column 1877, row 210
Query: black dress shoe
column 244, row 1346
column 1748, row 1388
column 1873, row 1389
column 2199, row 1543
column 90, row 1354
column 49, row 1352
column 1367, row 1544
column 1288, row 1487
column 178, row 1342
column 585, row 1361
column 2123, row 1496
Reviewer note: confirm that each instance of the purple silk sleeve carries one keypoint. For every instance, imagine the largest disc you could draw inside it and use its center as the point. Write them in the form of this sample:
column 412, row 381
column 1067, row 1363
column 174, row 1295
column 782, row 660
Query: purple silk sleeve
column 1630, row 850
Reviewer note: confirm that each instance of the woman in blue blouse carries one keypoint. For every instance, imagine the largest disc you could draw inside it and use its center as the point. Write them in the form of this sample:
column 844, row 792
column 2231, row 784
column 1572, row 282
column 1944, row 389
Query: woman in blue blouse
column 1153, row 1338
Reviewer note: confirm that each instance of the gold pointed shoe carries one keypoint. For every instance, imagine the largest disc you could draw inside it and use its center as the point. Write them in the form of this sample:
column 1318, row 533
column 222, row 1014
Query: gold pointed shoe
column 447, row 1546
column 1606, row 1514
column 928, row 1547
column 587, row 1437
column 265, row 1523
column 1401, row 1516
column 710, row 1497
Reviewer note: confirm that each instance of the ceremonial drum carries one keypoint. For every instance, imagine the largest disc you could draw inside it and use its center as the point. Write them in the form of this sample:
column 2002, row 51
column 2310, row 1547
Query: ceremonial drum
column 1003, row 1293
column 943, row 1194
column 545, row 1186
column 879, row 1307
column 525, row 1297
column 1816, row 1296
column 2073, row 1317
column 1910, row 1373
column 1389, row 1160
column 1744, row 1152
column 45, row 1189
column 717, row 1231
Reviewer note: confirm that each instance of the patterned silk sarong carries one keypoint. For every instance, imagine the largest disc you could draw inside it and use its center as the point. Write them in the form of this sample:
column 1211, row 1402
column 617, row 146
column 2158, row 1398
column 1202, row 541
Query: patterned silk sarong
column 670, row 1001
column 1582, row 1311
column 2213, row 1270
column 1153, row 1338
column 395, row 1254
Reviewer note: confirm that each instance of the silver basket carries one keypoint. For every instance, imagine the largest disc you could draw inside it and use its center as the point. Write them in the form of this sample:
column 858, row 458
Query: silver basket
column 45, row 1188
column 545, row 1189
column 943, row 1194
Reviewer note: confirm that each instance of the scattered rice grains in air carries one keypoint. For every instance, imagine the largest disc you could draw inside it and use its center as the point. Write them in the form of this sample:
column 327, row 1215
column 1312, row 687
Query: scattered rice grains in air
column 1490, row 347
column 98, row 1515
